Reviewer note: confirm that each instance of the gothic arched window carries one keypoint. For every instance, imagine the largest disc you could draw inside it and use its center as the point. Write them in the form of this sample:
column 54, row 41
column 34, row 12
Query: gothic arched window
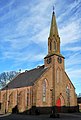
column 55, row 46
column 44, row 90
column 68, row 95
column 27, row 97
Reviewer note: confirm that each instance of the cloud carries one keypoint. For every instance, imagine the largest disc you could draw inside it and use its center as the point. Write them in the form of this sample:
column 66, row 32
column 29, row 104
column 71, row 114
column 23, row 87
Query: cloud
column 73, row 69
column 34, row 28
column 75, row 76
column 70, row 11
column 29, row 60
column 70, row 33
column 69, row 22
column 7, row 5
column 22, row 31
column 74, row 49
column 73, row 60
column 41, row 37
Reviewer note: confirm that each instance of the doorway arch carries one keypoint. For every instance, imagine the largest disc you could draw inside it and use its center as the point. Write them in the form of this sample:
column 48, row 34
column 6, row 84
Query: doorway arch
column 60, row 103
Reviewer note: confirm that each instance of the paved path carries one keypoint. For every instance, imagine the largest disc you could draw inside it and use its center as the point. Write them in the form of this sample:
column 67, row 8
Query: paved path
column 63, row 116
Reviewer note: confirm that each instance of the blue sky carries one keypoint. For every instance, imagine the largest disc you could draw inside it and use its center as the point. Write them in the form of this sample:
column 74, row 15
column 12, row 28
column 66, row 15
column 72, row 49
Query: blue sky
column 24, row 31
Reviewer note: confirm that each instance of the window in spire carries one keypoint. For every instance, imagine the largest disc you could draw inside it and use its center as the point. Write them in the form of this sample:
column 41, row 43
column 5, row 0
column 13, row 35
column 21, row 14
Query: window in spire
column 44, row 90
column 55, row 46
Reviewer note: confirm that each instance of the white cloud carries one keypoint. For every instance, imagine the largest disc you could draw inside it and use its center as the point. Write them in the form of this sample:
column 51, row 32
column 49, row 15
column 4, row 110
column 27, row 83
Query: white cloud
column 73, row 60
column 28, row 58
column 41, row 37
column 68, row 9
column 74, row 73
column 75, row 76
column 28, row 29
column 70, row 33
column 7, row 5
column 74, row 49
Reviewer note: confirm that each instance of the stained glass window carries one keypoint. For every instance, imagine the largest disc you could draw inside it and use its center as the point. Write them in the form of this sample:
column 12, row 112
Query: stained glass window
column 68, row 95
column 44, row 90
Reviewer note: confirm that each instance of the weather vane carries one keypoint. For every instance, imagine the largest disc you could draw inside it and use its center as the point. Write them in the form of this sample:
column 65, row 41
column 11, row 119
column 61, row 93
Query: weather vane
column 53, row 8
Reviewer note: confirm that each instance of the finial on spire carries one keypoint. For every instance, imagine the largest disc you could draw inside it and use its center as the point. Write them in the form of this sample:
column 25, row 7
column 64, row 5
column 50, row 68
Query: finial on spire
column 53, row 9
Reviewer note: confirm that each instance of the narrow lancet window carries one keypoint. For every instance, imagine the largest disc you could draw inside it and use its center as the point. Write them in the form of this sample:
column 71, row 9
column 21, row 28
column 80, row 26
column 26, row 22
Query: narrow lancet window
column 55, row 47
column 44, row 91
column 27, row 97
column 68, row 95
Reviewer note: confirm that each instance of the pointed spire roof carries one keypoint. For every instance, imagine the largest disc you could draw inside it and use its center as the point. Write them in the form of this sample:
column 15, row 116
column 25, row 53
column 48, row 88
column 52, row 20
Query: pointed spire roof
column 53, row 29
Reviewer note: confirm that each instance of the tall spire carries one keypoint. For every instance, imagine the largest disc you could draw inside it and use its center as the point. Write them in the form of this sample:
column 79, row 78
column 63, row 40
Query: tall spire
column 53, row 29
column 54, row 39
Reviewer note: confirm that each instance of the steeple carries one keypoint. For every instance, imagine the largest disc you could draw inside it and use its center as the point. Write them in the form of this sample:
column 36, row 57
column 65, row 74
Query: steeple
column 54, row 56
column 54, row 39
column 53, row 29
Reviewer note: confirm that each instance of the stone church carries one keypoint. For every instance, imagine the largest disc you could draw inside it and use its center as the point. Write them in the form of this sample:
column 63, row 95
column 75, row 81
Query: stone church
column 44, row 87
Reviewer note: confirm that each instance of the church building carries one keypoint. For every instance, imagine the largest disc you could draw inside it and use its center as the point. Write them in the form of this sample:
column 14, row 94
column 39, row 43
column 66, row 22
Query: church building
column 44, row 87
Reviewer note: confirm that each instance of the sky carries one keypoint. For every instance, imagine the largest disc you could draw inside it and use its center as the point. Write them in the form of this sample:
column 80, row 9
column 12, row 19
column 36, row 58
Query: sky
column 24, row 32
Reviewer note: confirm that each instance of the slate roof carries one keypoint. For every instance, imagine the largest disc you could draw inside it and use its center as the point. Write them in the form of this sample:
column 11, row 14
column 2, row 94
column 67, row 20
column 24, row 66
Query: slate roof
column 26, row 78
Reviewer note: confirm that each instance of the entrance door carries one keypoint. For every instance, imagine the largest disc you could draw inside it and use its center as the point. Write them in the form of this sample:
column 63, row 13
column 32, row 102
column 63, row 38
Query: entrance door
column 60, row 103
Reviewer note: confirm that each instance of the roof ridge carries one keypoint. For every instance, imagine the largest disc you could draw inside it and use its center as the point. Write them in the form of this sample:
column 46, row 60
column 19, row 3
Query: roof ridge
column 34, row 68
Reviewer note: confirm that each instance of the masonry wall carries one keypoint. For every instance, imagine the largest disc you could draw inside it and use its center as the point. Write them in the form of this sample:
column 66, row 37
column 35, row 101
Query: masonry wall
column 39, row 89
column 19, row 99
column 63, row 89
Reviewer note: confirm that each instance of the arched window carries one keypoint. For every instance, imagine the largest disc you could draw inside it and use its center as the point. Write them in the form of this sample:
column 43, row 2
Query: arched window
column 68, row 95
column 10, row 103
column 55, row 46
column 44, row 90
column 27, row 97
